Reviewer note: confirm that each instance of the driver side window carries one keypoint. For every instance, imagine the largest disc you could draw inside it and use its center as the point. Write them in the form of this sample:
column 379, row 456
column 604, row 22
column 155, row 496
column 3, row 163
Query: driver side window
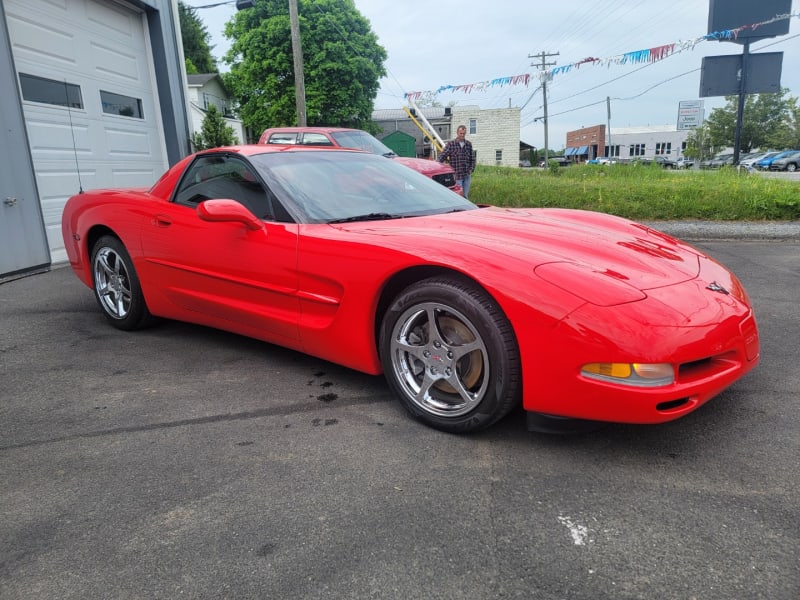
column 223, row 176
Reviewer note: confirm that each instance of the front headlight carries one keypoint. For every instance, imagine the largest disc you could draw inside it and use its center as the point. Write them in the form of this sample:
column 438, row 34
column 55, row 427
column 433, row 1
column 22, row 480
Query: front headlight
column 633, row 374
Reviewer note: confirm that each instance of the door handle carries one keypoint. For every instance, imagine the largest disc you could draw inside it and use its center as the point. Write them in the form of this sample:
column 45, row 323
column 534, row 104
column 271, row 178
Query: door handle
column 10, row 201
column 161, row 221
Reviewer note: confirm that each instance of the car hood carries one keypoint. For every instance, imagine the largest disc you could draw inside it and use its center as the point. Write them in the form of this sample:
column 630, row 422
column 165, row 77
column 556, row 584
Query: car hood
column 577, row 243
column 422, row 165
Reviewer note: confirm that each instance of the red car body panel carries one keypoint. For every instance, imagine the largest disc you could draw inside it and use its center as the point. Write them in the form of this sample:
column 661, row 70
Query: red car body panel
column 578, row 287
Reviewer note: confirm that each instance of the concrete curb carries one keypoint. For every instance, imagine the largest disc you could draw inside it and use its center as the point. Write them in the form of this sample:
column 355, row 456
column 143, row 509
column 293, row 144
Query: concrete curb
column 716, row 230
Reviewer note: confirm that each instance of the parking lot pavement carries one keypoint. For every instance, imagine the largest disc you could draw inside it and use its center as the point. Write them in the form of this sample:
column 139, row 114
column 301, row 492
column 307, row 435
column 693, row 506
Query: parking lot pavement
column 186, row 462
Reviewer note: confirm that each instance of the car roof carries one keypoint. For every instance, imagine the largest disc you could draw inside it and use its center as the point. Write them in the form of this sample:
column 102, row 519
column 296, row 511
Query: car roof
column 253, row 149
column 296, row 129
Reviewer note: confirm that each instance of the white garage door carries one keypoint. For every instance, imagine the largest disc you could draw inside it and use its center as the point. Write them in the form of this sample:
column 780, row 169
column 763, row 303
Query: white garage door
column 89, row 100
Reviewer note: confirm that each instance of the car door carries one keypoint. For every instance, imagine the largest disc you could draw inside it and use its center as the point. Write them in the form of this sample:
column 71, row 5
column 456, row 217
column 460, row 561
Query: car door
column 223, row 274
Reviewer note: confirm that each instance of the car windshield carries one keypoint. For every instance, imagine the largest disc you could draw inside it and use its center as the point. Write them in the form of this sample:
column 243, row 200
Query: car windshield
column 341, row 186
column 361, row 140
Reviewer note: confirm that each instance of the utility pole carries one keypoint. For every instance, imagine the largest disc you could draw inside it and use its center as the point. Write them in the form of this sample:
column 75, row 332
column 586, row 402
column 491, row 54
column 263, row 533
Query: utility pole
column 544, row 64
column 299, row 76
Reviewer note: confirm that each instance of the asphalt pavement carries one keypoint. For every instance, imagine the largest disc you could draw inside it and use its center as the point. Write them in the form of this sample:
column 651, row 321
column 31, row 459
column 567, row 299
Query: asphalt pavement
column 184, row 462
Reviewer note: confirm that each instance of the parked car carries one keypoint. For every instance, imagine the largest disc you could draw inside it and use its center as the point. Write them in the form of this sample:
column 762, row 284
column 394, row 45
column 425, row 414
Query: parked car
column 749, row 161
column 341, row 137
column 559, row 160
column 684, row 163
column 788, row 162
column 665, row 162
column 764, row 163
column 358, row 260
column 717, row 162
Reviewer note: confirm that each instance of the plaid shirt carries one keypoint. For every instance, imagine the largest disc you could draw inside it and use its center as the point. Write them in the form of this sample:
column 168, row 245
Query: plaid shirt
column 461, row 158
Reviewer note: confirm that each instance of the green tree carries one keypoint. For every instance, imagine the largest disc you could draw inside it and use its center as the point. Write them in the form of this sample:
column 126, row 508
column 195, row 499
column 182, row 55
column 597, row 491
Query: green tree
column 196, row 48
column 698, row 144
column 788, row 135
column 214, row 132
column 764, row 123
column 342, row 61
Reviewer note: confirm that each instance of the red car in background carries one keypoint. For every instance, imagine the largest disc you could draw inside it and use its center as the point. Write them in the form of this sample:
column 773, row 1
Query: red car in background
column 341, row 137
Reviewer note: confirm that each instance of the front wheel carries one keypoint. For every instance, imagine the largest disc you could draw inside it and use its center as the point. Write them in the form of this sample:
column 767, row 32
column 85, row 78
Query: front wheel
column 791, row 167
column 116, row 285
column 450, row 355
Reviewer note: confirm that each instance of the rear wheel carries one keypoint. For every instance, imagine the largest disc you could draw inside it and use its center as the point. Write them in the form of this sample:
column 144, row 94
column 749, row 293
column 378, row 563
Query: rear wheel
column 791, row 167
column 450, row 355
column 116, row 285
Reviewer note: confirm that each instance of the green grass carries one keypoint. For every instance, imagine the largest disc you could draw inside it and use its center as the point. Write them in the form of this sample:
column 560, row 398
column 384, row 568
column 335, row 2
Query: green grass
column 642, row 192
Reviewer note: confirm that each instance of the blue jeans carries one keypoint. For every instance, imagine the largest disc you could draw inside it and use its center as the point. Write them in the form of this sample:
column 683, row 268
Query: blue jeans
column 464, row 183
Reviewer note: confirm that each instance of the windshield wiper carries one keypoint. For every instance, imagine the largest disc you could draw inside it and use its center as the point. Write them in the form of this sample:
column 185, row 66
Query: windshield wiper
column 367, row 217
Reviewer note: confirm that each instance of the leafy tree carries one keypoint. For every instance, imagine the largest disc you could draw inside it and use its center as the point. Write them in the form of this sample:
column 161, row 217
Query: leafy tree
column 698, row 144
column 765, row 122
column 214, row 132
column 788, row 135
column 196, row 48
column 342, row 61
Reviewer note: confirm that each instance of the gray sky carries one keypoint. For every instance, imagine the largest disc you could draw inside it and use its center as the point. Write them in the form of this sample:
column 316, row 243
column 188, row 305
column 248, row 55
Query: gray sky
column 470, row 43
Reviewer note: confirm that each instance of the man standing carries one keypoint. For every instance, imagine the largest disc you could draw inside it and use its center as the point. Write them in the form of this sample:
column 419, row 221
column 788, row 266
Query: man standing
column 459, row 153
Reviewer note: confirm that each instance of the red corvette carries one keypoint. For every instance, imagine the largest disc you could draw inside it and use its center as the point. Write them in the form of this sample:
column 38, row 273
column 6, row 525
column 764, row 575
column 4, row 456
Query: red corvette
column 468, row 311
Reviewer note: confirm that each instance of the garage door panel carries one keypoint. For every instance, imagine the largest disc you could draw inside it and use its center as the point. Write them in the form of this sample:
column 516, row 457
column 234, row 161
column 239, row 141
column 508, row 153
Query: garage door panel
column 51, row 135
column 38, row 42
column 128, row 143
column 112, row 63
column 115, row 23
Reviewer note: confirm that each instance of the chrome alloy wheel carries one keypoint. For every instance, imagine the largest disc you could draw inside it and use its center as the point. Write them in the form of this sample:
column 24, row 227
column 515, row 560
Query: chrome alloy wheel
column 439, row 359
column 112, row 283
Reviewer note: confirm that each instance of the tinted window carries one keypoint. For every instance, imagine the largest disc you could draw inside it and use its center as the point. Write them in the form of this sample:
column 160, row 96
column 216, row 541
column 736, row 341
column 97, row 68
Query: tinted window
column 283, row 137
column 49, row 91
column 117, row 104
column 316, row 139
column 218, row 176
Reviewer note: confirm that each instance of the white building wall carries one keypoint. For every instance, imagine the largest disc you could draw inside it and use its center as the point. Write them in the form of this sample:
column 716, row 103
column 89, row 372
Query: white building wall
column 496, row 130
column 650, row 137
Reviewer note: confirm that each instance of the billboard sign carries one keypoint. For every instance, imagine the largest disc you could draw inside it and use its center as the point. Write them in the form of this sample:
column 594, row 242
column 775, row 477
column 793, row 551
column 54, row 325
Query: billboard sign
column 722, row 75
column 690, row 114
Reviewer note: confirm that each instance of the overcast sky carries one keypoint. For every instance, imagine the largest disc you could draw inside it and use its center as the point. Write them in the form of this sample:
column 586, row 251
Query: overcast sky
column 431, row 44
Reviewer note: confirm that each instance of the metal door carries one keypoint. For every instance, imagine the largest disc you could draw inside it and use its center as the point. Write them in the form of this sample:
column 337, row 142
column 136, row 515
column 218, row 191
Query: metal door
column 23, row 243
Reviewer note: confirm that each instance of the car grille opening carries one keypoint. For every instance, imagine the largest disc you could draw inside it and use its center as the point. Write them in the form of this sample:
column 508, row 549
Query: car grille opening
column 446, row 179
column 671, row 404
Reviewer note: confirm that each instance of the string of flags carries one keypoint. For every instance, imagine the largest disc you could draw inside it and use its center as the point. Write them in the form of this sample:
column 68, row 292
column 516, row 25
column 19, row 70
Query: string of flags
column 636, row 57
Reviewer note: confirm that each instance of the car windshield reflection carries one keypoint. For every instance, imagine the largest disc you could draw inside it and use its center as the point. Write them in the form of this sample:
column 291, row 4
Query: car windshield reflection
column 339, row 187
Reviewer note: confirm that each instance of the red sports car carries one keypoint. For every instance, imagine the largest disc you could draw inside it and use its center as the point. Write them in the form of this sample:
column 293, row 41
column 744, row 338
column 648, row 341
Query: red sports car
column 468, row 311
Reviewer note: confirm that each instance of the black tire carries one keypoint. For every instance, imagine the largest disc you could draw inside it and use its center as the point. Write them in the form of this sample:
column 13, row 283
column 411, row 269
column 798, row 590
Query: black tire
column 465, row 375
column 791, row 167
column 116, row 286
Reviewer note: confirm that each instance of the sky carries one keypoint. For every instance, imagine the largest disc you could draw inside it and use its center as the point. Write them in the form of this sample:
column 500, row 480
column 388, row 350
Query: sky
column 468, row 44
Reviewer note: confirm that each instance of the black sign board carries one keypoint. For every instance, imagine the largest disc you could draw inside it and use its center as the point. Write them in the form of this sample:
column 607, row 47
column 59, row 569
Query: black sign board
column 722, row 75
column 726, row 15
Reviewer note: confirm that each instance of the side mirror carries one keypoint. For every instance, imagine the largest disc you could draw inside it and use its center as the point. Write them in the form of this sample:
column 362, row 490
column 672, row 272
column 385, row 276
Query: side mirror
column 229, row 211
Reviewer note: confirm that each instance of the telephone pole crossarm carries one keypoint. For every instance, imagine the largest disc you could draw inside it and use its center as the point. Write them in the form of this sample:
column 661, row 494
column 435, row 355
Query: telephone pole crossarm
column 543, row 56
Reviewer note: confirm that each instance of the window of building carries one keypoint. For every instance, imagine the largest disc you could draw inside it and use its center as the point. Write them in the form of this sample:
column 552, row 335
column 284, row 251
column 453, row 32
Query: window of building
column 473, row 126
column 50, row 91
column 636, row 150
column 612, row 151
column 498, row 155
column 664, row 148
column 117, row 104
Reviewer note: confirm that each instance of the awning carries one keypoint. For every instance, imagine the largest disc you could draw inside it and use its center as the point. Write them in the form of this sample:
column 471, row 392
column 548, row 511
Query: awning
column 582, row 150
column 569, row 151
